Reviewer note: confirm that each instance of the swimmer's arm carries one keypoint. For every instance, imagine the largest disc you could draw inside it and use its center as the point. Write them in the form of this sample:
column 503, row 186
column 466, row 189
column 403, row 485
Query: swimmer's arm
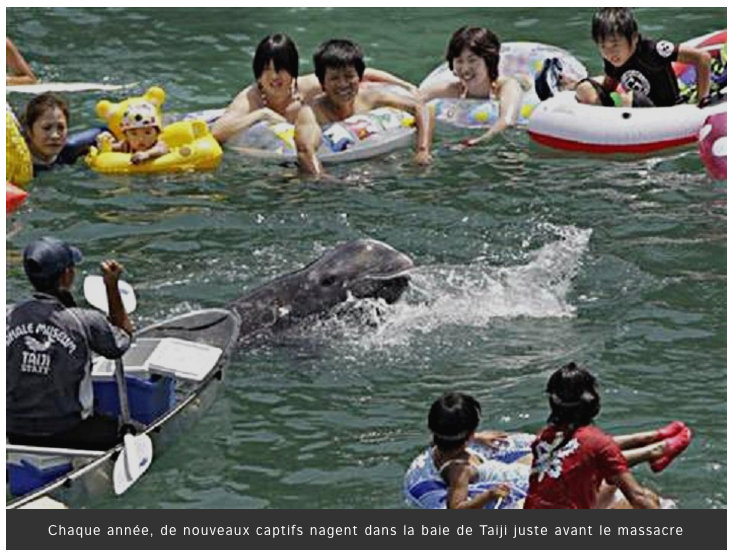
column 423, row 120
column 510, row 101
column 376, row 75
column 439, row 91
column 14, row 59
column 308, row 137
column 239, row 116
column 108, row 138
column 702, row 60
column 459, row 478
column 638, row 496
column 157, row 151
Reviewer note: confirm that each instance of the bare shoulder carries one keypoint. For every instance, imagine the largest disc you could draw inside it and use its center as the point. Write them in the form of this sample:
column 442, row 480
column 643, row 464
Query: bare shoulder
column 459, row 472
column 308, row 114
column 309, row 86
column 318, row 109
column 248, row 99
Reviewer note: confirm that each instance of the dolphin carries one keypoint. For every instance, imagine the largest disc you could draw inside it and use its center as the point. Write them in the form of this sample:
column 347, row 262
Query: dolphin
column 363, row 268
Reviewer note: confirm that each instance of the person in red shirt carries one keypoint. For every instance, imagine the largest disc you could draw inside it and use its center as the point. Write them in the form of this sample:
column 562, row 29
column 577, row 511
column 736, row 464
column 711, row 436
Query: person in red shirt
column 576, row 465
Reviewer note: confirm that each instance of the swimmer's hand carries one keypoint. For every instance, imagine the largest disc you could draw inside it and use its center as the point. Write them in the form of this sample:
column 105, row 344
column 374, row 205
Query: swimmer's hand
column 140, row 157
column 704, row 102
column 501, row 491
column 568, row 83
column 423, row 157
column 489, row 438
column 103, row 138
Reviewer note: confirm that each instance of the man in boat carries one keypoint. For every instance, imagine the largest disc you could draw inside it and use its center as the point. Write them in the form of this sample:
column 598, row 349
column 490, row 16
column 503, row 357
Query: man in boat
column 339, row 66
column 49, row 344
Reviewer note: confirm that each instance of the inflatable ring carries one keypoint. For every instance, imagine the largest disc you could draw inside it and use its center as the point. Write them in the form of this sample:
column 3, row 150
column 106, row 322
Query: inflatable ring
column 18, row 161
column 14, row 197
column 424, row 488
column 523, row 61
column 192, row 148
column 713, row 146
column 359, row 137
column 563, row 123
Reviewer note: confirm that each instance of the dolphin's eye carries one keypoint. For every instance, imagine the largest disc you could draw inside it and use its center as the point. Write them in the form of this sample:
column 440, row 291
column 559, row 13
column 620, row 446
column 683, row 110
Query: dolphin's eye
column 329, row 281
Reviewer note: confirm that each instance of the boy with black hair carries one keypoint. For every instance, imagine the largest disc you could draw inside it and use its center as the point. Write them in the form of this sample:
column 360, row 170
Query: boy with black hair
column 642, row 66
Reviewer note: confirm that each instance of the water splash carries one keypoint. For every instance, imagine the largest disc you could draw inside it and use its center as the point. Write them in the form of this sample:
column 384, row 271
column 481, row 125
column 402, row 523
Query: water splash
column 467, row 296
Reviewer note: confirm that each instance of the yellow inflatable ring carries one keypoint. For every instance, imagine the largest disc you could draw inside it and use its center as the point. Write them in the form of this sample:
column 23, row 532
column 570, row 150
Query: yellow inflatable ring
column 192, row 148
column 18, row 162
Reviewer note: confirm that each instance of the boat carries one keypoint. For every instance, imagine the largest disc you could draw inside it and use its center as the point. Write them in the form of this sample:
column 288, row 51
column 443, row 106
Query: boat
column 173, row 372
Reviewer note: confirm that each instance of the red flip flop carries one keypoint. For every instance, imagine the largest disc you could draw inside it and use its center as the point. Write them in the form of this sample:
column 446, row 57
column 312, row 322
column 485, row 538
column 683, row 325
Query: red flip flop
column 670, row 430
column 673, row 447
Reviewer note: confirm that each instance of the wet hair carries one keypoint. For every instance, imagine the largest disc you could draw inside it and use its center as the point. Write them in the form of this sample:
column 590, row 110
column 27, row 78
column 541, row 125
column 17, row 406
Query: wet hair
column 574, row 401
column 281, row 50
column 453, row 418
column 338, row 54
column 609, row 23
column 480, row 41
column 39, row 105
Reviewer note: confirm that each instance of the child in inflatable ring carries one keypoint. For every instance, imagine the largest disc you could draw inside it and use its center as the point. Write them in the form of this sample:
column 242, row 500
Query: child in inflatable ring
column 638, row 71
column 576, row 465
column 141, row 127
column 453, row 420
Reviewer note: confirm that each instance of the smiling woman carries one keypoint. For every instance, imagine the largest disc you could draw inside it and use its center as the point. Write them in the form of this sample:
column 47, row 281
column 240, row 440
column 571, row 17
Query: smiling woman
column 473, row 55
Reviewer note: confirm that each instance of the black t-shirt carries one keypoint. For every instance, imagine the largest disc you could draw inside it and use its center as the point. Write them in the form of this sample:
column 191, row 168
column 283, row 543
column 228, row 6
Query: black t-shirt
column 650, row 71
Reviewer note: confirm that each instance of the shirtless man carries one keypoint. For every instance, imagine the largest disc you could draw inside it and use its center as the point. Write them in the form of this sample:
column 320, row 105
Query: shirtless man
column 279, row 90
column 339, row 67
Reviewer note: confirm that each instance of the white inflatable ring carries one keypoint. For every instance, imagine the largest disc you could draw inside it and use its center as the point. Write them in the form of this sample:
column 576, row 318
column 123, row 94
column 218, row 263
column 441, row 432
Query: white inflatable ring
column 521, row 60
column 424, row 488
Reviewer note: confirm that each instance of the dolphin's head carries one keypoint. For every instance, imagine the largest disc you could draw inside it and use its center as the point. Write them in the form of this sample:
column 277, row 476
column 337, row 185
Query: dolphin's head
column 364, row 268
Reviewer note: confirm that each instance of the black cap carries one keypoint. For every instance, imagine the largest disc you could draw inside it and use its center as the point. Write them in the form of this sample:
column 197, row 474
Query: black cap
column 48, row 257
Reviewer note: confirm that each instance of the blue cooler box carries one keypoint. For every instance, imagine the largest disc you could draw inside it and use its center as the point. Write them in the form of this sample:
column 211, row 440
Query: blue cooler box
column 24, row 476
column 148, row 398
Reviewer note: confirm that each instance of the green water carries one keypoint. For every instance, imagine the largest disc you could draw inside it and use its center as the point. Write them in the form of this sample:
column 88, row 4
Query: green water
column 526, row 261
